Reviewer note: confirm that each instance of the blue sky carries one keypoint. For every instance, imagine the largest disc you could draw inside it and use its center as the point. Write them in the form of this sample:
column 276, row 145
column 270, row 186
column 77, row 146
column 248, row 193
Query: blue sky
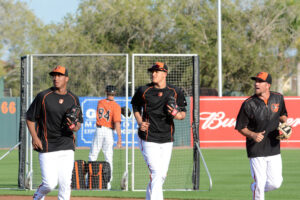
column 49, row 11
column 52, row 10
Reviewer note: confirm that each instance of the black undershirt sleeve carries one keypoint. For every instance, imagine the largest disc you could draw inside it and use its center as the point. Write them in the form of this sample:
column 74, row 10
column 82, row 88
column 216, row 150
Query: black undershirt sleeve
column 283, row 110
column 33, row 113
column 137, row 101
column 242, row 118
column 181, row 101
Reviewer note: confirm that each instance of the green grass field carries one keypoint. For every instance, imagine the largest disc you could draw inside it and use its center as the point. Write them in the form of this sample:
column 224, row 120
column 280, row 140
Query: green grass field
column 229, row 169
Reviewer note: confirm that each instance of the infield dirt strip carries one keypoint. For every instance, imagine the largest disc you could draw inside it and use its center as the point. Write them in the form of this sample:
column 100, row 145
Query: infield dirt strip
column 55, row 198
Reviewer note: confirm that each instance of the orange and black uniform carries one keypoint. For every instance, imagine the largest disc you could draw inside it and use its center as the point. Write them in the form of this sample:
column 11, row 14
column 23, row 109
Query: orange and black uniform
column 151, row 102
column 258, row 116
column 48, row 110
column 108, row 112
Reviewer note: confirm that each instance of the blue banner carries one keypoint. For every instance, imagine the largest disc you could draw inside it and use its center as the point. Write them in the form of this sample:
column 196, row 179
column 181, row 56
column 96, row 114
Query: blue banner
column 86, row 133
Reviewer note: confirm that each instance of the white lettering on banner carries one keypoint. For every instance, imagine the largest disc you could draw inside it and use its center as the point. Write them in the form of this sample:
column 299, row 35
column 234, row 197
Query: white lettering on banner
column 90, row 113
column 88, row 124
column 89, row 131
column 215, row 120
column 293, row 122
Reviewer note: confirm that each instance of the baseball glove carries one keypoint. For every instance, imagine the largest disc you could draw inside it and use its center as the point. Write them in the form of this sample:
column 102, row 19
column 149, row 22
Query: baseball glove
column 123, row 111
column 172, row 106
column 285, row 131
column 72, row 117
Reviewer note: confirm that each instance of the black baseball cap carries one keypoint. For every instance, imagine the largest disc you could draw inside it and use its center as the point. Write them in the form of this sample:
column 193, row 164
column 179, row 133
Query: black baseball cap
column 110, row 89
column 59, row 70
column 159, row 66
column 264, row 77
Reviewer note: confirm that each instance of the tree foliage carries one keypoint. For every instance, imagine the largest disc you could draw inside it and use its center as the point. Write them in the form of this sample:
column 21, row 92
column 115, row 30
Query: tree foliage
column 255, row 34
column 19, row 28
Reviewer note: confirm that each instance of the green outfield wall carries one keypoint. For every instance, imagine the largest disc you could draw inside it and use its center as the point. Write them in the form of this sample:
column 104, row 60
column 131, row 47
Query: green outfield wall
column 9, row 121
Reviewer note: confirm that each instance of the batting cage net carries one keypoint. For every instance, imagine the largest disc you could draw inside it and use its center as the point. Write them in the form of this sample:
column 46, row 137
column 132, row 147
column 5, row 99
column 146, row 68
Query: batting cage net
column 88, row 76
column 183, row 174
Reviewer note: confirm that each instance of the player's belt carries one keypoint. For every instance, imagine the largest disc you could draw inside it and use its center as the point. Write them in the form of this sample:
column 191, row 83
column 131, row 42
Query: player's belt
column 103, row 126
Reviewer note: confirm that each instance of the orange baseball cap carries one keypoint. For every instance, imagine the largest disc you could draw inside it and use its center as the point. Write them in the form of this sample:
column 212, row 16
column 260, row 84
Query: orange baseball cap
column 159, row 66
column 59, row 70
column 263, row 76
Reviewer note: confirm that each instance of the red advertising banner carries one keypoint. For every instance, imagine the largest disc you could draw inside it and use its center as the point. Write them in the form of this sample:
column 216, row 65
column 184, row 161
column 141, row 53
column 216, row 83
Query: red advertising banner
column 218, row 118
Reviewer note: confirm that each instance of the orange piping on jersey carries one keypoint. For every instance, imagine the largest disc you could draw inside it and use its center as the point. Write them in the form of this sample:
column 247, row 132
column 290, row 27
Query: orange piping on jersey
column 145, row 106
column 276, row 93
column 172, row 124
column 146, row 91
column 73, row 98
column 45, row 120
column 147, row 120
column 145, row 97
column 266, row 101
column 248, row 99
column 174, row 92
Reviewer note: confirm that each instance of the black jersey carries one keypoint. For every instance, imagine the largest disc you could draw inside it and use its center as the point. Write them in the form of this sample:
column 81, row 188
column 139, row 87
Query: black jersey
column 258, row 116
column 48, row 110
column 151, row 102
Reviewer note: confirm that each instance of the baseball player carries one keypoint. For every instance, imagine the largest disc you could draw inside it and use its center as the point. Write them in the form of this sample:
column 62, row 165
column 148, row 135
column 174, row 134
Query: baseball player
column 54, row 142
column 154, row 114
column 258, row 119
column 108, row 118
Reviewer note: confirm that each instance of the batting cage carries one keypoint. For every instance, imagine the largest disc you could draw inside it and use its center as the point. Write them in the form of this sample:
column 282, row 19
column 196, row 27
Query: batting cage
column 184, row 171
column 88, row 76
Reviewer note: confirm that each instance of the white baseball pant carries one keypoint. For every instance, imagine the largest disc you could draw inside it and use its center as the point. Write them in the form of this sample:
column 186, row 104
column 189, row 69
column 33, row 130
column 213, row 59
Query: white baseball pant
column 103, row 139
column 267, row 175
column 56, row 168
column 157, row 157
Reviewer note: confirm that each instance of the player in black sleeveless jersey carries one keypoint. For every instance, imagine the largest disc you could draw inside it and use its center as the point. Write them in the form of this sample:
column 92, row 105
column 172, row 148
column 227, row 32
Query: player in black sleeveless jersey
column 156, row 127
column 54, row 142
column 258, row 120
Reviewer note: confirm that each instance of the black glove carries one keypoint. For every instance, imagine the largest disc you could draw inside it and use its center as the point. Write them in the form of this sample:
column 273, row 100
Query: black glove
column 72, row 117
column 123, row 111
column 172, row 106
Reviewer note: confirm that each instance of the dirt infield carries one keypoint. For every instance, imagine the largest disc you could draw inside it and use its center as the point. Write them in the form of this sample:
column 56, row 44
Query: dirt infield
column 55, row 198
